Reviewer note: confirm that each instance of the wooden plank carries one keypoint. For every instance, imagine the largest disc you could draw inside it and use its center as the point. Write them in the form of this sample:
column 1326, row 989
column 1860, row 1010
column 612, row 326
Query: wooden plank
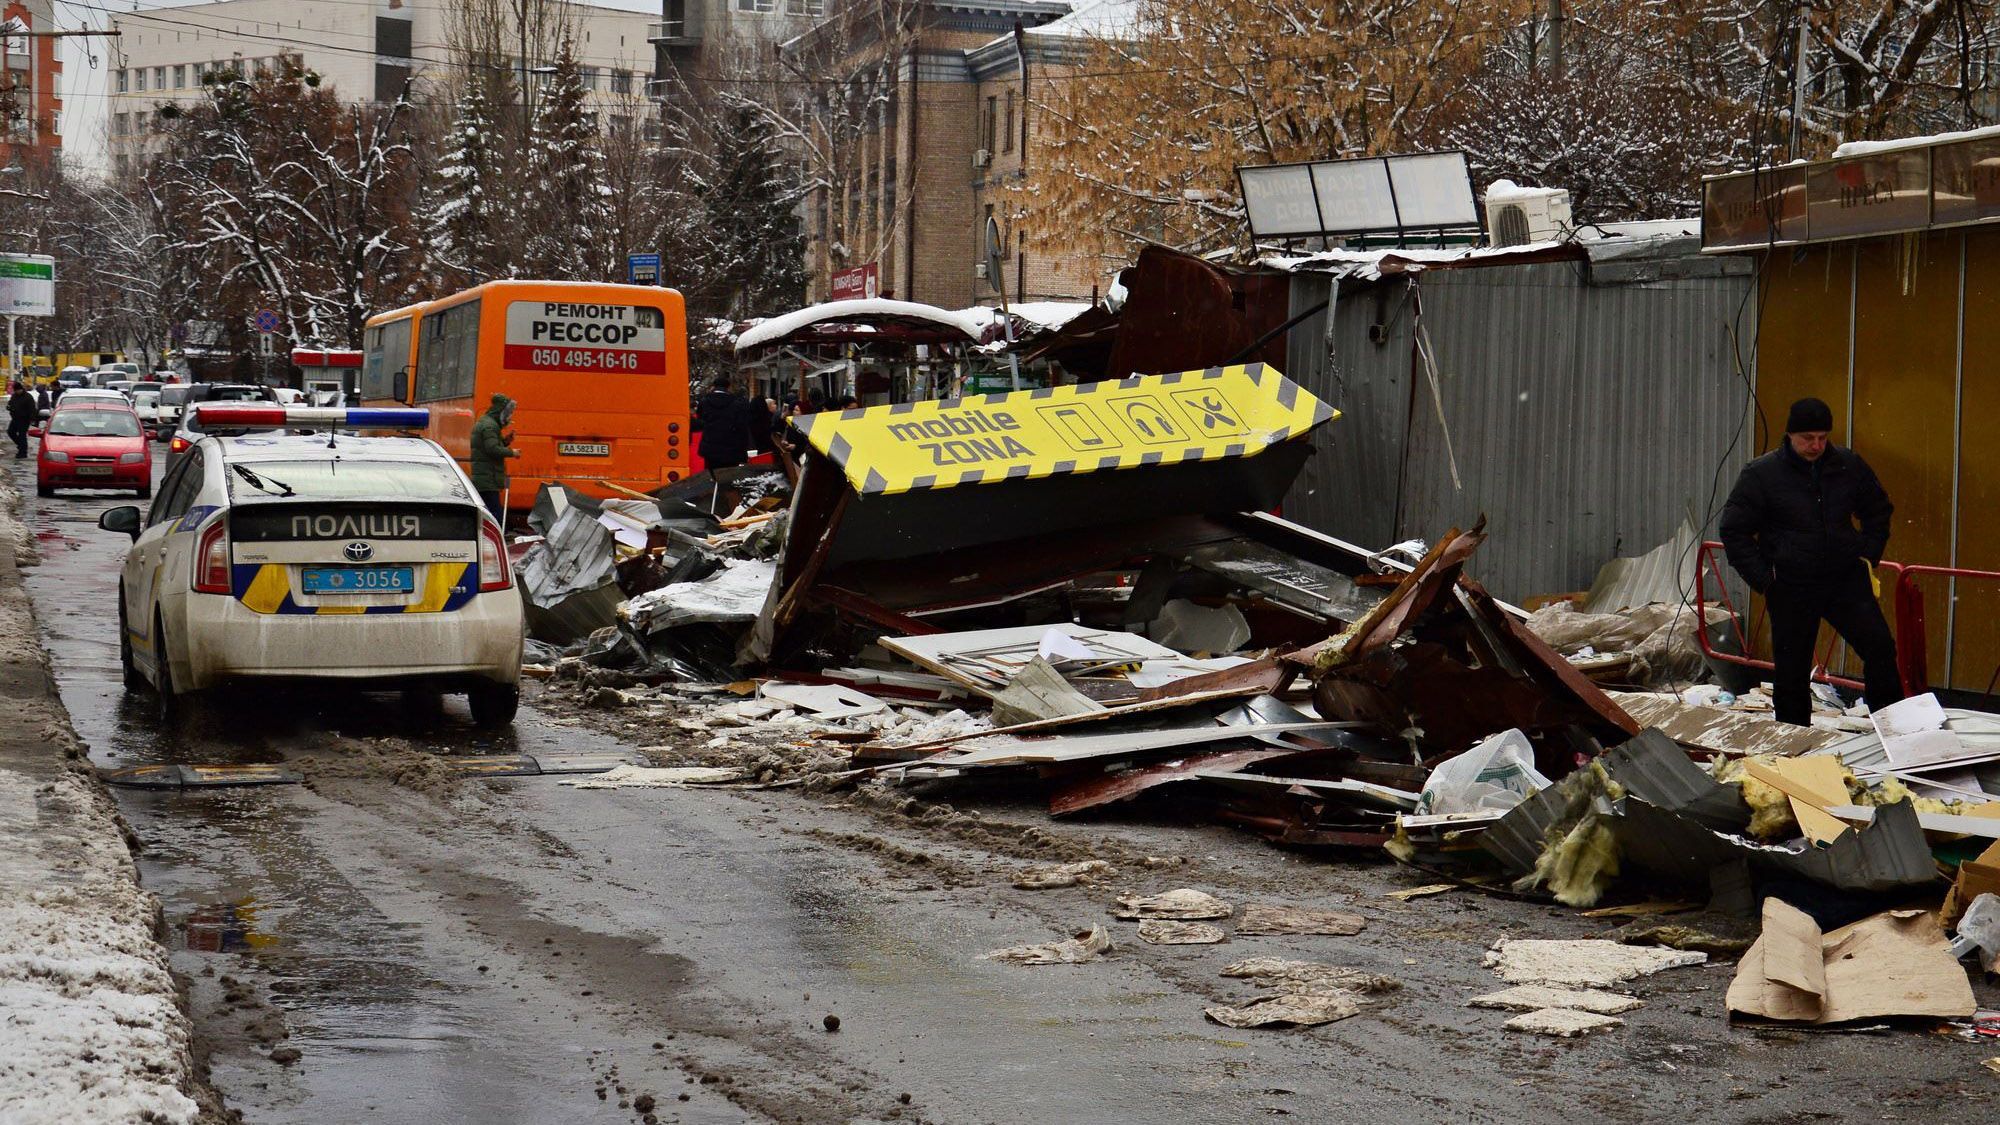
column 1813, row 783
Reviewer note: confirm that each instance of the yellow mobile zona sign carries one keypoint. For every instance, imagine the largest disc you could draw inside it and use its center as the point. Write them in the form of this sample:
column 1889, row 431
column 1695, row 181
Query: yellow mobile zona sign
column 1083, row 428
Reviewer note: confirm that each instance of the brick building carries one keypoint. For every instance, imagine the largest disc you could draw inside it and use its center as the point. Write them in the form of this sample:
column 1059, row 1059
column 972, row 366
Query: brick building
column 31, row 109
column 944, row 126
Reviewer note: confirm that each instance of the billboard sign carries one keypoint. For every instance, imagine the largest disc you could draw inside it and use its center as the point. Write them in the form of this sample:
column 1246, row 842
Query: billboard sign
column 858, row 283
column 1420, row 191
column 27, row 285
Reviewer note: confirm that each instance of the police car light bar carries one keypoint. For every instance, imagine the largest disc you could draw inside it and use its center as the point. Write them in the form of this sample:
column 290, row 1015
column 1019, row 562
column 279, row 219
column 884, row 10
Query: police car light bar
column 282, row 417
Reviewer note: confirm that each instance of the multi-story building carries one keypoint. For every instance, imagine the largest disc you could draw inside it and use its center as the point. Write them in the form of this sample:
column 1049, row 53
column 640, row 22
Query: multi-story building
column 365, row 53
column 697, row 36
column 946, row 132
column 28, row 104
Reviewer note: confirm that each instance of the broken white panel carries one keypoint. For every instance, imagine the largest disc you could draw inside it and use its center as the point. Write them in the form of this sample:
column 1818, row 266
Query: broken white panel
column 1913, row 733
column 987, row 660
column 1159, row 673
column 1562, row 1023
column 1535, row 997
column 825, row 701
column 735, row 593
column 1190, row 627
column 1583, row 963
column 1057, row 646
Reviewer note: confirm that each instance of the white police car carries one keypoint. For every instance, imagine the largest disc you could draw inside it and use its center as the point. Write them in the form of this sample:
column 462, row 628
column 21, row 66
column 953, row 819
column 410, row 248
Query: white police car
column 322, row 556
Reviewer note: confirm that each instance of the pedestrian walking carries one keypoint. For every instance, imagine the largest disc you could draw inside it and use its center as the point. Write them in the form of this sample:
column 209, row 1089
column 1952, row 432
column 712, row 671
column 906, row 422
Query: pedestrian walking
column 1805, row 526
column 723, row 419
column 21, row 414
column 492, row 445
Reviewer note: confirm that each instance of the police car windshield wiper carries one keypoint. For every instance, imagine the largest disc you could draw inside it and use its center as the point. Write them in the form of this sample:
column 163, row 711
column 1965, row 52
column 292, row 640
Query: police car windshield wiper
column 261, row 484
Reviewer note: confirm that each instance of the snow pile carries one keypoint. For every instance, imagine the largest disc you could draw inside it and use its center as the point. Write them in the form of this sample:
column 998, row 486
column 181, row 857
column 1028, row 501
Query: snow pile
column 1044, row 315
column 1870, row 148
column 1094, row 19
column 89, row 1029
column 1507, row 191
column 872, row 308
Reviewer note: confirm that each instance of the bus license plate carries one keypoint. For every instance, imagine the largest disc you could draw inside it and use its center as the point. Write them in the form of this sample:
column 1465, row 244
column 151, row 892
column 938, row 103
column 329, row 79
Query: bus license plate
column 360, row 580
column 584, row 448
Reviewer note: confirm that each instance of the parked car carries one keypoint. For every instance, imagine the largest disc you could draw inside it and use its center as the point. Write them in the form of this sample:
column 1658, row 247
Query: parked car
column 146, row 403
column 93, row 445
column 173, row 401
column 82, row 395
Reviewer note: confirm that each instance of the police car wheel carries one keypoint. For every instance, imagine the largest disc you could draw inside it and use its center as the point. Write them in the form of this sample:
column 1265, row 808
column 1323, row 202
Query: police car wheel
column 493, row 705
column 133, row 680
column 163, row 670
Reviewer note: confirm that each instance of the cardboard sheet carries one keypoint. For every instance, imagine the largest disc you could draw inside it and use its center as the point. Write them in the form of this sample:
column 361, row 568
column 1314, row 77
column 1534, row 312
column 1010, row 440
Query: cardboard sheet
column 1896, row 963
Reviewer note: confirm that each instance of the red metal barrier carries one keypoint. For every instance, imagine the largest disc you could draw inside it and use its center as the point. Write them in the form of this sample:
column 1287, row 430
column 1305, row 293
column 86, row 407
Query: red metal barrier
column 1906, row 606
column 1913, row 660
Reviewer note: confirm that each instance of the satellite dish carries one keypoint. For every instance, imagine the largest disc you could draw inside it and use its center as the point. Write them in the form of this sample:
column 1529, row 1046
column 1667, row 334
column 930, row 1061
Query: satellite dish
column 994, row 249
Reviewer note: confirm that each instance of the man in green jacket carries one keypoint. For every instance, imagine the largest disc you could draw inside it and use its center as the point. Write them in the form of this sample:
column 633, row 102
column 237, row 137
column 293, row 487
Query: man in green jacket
column 490, row 450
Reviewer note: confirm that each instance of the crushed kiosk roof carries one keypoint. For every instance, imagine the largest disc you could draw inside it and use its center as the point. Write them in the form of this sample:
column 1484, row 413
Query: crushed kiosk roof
column 1209, row 415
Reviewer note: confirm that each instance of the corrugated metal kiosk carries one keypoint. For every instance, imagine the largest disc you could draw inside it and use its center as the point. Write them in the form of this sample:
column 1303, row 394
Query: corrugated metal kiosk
column 1880, row 293
column 1586, row 397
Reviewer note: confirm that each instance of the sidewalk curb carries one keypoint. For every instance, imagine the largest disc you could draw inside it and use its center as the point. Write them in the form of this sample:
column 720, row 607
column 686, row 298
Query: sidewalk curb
column 92, row 1024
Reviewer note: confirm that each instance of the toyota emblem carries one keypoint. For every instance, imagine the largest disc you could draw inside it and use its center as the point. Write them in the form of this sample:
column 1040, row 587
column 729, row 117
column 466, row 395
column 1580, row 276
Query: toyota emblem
column 359, row 552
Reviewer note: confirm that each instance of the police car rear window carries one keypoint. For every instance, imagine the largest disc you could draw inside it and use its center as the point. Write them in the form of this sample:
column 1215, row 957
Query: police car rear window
column 345, row 480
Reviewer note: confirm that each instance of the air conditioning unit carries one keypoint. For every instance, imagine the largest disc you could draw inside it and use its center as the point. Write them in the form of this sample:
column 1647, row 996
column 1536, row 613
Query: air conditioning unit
column 982, row 157
column 1516, row 216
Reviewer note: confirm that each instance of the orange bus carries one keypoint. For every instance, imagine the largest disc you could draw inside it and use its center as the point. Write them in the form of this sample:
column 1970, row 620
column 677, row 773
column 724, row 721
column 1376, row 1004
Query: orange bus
column 599, row 373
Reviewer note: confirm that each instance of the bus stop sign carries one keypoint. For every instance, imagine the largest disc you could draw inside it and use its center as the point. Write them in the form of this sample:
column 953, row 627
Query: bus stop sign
column 642, row 269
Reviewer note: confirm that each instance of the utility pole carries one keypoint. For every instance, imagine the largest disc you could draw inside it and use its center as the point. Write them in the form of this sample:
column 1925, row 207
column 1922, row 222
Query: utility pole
column 1556, row 39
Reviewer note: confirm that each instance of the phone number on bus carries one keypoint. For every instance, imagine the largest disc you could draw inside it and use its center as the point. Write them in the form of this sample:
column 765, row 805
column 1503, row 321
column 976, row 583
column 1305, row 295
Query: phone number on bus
column 524, row 357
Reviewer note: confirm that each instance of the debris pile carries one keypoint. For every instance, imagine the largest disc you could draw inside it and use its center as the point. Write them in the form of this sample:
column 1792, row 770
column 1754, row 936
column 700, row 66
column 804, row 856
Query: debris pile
column 1078, row 612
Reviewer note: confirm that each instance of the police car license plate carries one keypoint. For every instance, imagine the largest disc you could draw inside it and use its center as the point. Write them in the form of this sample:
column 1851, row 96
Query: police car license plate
column 360, row 580
column 584, row 448
column 93, row 470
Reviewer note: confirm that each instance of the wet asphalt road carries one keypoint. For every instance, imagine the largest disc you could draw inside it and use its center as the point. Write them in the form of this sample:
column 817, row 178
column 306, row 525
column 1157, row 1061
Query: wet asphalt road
column 511, row 950
column 506, row 950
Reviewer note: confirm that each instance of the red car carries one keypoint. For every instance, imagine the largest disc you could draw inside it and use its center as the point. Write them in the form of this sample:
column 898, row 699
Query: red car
column 93, row 445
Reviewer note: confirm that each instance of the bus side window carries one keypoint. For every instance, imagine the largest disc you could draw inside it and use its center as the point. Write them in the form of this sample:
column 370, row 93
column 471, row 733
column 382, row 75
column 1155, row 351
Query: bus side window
column 448, row 353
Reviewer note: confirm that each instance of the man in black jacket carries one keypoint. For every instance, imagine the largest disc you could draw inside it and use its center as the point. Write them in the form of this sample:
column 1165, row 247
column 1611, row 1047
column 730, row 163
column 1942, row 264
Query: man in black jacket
column 723, row 417
column 21, row 414
column 1790, row 531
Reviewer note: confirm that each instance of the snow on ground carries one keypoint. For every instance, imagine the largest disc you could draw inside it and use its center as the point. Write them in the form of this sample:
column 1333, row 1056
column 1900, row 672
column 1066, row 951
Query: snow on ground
column 90, row 1025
